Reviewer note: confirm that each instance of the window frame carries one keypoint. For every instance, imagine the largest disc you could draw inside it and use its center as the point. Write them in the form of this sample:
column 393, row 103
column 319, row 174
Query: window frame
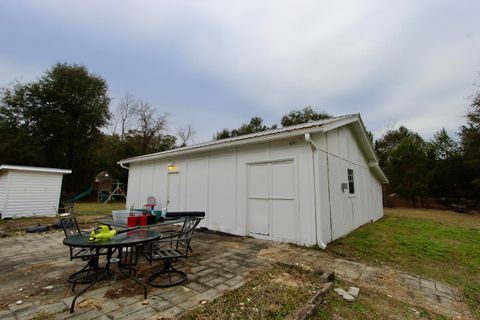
column 351, row 182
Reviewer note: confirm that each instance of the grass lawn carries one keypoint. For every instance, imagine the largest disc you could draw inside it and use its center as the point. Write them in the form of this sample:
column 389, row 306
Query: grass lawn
column 369, row 305
column 440, row 245
column 93, row 208
column 86, row 213
column 272, row 293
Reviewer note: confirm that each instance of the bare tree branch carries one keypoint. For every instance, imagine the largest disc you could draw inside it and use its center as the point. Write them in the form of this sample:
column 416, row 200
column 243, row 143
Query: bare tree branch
column 125, row 111
column 186, row 134
column 149, row 123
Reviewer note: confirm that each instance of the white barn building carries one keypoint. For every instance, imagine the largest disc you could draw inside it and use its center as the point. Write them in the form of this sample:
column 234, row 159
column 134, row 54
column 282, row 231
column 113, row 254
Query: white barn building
column 29, row 191
column 306, row 184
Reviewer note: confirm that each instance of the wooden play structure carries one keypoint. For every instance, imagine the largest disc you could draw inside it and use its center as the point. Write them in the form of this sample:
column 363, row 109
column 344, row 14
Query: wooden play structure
column 108, row 188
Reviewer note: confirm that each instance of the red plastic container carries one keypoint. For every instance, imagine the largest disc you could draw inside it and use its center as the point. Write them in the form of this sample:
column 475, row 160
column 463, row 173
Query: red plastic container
column 142, row 220
column 132, row 221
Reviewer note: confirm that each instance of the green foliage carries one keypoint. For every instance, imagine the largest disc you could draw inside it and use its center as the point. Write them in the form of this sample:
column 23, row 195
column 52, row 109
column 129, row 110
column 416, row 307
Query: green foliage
column 470, row 137
column 403, row 156
column 55, row 121
column 255, row 125
column 304, row 115
column 419, row 246
column 447, row 176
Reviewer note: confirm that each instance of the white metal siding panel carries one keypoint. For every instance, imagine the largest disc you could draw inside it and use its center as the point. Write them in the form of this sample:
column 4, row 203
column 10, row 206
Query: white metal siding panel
column 332, row 142
column 217, row 183
column 197, row 184
column 343, row 143
column 33, row 193
column 3, row 190
column 300, row 151
column 346, row 212
column 323, row 198
column 258, row 199
column 174, row 193
column 160, row 180
column 133, row 185
column 222, row 191
column 283, row 195
column 146, row 183
column 245, row 155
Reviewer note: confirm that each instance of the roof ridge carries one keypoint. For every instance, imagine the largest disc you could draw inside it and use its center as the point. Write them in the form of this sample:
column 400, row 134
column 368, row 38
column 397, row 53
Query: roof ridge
column 269, row 132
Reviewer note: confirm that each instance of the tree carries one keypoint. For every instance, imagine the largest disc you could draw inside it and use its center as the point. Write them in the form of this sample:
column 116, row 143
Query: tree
column 150, row 133
column 402, row 155
column 446, row 177
column 255, row 125
column 222, row 134
column 55, row 120
column 470, row 137
column 124, row 113
column 185, row 134
column 303, row 116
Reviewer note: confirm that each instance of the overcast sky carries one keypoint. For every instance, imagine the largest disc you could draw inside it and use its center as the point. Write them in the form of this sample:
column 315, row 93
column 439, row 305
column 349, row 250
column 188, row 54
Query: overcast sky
column 215, row 64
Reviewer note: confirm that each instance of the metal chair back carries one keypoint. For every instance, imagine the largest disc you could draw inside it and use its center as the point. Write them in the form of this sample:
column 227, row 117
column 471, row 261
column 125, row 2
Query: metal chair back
column 69, row 224
column 186, row 234
column 170, row 253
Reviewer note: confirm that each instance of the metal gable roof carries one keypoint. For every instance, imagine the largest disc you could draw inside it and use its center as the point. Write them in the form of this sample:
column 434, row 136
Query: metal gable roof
column 5, row 167
column 274, row 134
column 244, row 139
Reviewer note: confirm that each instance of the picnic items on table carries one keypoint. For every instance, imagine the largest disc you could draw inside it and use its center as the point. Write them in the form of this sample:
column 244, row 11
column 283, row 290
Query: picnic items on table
column 143, row 217
column 104, row 233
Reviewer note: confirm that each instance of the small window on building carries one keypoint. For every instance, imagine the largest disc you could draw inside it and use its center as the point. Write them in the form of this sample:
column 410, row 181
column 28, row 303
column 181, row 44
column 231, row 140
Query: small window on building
column 351, row 183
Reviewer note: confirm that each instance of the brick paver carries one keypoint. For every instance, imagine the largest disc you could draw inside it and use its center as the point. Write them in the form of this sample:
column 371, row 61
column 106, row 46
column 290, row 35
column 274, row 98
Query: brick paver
column 34, row 261
column 414, row 290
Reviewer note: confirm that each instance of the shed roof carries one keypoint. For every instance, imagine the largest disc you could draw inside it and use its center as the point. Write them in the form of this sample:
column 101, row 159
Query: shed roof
column 276, row 134
column 6, row 167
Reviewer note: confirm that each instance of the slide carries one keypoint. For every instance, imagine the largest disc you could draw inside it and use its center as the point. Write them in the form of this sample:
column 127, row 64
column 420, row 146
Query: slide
column 82, row 195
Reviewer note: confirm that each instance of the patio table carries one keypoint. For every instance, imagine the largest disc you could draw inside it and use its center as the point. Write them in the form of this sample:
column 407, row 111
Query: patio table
column 109, row 222
column 127, row 240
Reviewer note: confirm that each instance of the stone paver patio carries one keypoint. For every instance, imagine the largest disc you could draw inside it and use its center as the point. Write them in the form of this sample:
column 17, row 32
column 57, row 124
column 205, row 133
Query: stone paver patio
column 34, row 268
column 32, row 263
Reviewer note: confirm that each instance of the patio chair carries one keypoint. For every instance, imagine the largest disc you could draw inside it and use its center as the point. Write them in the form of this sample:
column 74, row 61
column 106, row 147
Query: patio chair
column 169, row 249
column 89, row 272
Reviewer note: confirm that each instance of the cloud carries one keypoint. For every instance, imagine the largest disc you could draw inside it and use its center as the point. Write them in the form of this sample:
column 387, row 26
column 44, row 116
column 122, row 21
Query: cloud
column 215, row 64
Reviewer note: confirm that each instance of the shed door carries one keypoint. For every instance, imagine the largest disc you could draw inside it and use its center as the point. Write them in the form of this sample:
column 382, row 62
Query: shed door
column 272, row 200
column 173, row 196
column 258, row 194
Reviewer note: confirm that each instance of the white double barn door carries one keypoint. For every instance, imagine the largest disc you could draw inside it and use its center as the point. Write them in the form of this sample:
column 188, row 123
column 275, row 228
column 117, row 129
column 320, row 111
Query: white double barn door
column 271, row 201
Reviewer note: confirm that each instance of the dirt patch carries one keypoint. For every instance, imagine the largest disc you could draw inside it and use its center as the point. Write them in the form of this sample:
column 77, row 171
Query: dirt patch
column 286, row 279
column 126, row 289
column 382, row 280
column 271, row 293
column 17, row 227
column 47, row 289
column 90, row 303
column 309, row 260
column 233, row 245
column 369, row 305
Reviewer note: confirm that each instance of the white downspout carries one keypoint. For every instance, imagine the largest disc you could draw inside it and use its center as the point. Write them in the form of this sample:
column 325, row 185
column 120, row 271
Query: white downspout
column 308, row 139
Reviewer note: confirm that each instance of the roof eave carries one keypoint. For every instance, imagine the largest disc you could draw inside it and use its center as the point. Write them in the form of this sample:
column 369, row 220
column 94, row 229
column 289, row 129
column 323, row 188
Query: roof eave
column 230, row 144
column 34, row 169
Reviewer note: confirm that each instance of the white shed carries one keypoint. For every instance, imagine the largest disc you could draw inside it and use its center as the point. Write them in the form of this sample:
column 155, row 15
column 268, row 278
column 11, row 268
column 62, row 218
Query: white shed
column 29, row 191
column 306, row 184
